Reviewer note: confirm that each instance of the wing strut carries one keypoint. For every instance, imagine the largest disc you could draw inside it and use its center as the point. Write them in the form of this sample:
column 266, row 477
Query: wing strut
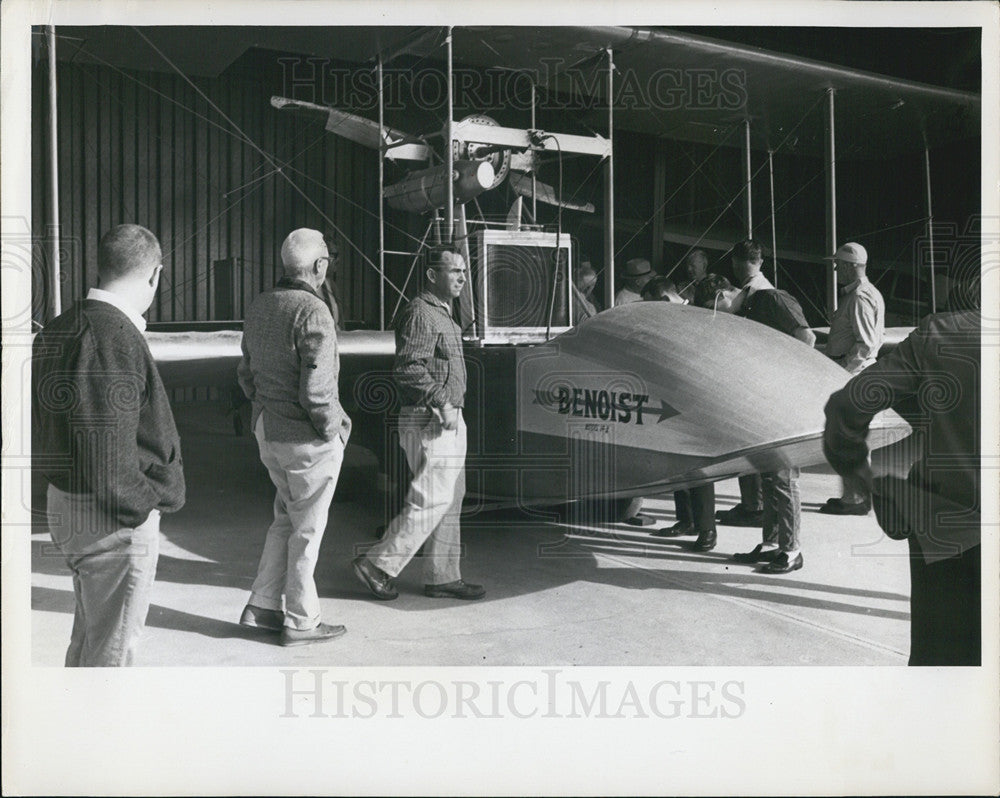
column 609, row 193
column 930, row 227
column 55, row 289
column 774, row 235
column 449, row 150
column 381, row 199
column 749, row 176
column 830, row 162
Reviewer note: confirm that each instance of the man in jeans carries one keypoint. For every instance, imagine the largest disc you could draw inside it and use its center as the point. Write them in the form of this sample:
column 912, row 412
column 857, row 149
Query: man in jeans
column 103, row 436
column 747, row 262
column 289, row 371
column 782, row 512
column 430, row 373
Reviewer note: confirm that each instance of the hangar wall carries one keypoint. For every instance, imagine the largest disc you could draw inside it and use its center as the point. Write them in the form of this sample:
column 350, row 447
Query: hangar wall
column 144, row 147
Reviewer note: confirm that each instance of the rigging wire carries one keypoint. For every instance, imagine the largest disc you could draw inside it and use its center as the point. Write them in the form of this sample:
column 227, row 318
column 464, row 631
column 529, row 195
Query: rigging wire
column 270, row 160
column 198, row 278
column 675, row 192
column 753, row 175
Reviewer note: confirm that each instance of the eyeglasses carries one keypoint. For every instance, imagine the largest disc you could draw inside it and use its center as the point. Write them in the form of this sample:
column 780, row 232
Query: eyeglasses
column 328, row 260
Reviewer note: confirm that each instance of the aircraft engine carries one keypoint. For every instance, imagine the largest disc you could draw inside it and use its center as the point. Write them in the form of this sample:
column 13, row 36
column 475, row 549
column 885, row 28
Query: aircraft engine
column 423, row 191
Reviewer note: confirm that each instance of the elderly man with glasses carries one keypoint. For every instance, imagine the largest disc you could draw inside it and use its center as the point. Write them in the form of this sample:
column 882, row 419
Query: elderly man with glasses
column 289, row 372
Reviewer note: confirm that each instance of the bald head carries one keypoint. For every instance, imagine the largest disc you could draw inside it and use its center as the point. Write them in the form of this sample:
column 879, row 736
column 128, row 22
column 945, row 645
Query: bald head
column 300, row 251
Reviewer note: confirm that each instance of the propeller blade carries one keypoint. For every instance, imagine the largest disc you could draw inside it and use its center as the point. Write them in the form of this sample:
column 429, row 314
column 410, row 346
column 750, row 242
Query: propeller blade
column 399, row 145
column 521, row 183
column 514, row 215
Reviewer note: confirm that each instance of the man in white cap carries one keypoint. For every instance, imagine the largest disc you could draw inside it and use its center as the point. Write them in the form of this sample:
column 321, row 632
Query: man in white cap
column 289, row 371
column 638, row 272
column 856, row 332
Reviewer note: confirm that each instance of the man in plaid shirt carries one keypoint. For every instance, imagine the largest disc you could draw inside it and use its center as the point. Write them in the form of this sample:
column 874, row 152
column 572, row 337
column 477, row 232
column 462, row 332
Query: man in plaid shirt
column 430, row 373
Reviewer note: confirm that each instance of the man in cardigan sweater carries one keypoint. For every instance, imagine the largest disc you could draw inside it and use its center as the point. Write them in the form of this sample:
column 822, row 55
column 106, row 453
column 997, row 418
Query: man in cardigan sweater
column 104, row 438
column 289, row 371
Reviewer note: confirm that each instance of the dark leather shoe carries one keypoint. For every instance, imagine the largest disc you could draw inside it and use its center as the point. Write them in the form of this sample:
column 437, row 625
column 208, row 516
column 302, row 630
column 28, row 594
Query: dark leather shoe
column 259, row 618
column 677, row 530
column 458, row 590
column 759, row 554
column 375, row 579
column 782, row 565
column 303, row 637
column 741, row 516
column 706, row 540
column 842, row 508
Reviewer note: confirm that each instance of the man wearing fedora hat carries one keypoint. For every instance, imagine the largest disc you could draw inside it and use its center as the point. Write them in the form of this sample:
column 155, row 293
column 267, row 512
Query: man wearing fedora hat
column 856, row 332
column 638, row 272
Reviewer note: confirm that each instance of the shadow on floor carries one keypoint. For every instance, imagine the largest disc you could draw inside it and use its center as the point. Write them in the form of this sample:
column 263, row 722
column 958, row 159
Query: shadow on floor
column 49, row 599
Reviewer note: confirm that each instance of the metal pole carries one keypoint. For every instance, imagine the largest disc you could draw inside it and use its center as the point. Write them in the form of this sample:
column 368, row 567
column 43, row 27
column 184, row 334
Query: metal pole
column 381, row 199
column 609, row 193
column 930, row 226
column 55, row 290
column 774, row 235
column 747, row 173
column 534, row 185
column 449, row 151
column 830, row 162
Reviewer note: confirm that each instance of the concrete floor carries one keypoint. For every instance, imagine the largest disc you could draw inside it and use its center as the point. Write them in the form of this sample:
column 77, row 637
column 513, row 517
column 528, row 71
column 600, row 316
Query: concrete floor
column 556, row 595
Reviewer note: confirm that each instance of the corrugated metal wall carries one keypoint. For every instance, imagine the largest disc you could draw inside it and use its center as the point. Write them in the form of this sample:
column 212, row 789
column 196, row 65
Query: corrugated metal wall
column 147, row 148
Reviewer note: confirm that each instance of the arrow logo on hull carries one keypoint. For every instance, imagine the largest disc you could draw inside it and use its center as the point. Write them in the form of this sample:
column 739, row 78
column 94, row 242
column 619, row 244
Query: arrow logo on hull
column 620, row 407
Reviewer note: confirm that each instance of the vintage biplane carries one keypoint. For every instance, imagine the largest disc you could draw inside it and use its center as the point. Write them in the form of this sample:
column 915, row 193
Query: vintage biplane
column 639, row 399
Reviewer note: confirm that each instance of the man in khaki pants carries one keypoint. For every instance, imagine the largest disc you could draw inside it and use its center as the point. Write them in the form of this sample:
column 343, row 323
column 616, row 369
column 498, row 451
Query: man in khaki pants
column 289, row 371
column 430, row 373
column 103, row 436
